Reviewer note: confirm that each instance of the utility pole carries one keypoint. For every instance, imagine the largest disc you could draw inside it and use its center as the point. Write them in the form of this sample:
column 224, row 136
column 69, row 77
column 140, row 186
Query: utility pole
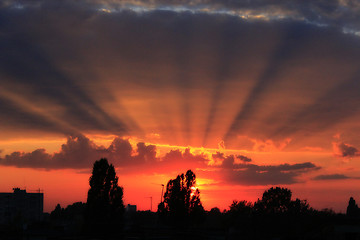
column 162, row 191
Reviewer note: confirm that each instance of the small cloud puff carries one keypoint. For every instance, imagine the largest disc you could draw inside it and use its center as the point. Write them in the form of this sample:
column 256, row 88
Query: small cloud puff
column 345, row 150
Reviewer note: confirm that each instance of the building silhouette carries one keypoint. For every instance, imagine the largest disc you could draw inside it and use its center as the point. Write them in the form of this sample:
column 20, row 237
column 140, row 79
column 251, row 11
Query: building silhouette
column 21, row 206
column 130, row 208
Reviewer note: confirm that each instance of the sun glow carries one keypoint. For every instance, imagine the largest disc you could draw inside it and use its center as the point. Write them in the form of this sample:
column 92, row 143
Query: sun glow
column 193, row 191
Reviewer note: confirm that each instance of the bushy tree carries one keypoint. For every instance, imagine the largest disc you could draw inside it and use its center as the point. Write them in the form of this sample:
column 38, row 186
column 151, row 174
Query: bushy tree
column 300, row 207
column 181, row 198
column 241, row 207
column 105, row 205
column 215, row 211
column 278, row 201
column 75, row 209
column 72, row 216
column 274, row 201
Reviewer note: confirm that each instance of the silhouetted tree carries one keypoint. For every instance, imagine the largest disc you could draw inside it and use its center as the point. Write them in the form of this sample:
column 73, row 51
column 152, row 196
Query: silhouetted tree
column 239, row 214
column 241, row 207
column 68, row 213
column 352, row 209
column 72, row 216
column 278, row 201
column 299, row 207
column 182, row 199
column 105, row 205
column 214, row 219
column 162, row 211
column 215, row 211
column 274, row 201
column 75, row 209
column 57, row 213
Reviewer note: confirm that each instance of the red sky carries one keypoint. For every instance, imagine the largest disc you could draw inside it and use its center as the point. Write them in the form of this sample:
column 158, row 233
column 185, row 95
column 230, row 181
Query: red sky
column 218, row 185
column 247, row 95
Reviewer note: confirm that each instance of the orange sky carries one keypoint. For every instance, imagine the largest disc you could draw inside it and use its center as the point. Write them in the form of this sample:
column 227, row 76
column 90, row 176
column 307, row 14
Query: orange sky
column 246, row 95
column 68, row 186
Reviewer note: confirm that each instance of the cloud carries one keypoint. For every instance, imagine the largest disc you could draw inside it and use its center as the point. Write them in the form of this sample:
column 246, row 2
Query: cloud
column 79, row 152
column 177, row 159
column 219, row 158
column 252, row 174
column 239, row 171
column 269, row 145
column 36, row 159
column 331, row 177
column 345, row 150
column 244, row 158
column 228, row 162
column 334, row 13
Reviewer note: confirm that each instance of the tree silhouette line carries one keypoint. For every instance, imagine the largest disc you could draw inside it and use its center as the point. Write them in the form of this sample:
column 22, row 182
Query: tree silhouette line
column 181, row 200
column 274, row 214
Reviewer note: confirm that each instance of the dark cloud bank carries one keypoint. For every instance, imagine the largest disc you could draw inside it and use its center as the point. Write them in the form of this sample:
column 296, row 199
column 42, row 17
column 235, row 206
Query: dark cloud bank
column 344, row 13
column 244, row 172
column 79, row 152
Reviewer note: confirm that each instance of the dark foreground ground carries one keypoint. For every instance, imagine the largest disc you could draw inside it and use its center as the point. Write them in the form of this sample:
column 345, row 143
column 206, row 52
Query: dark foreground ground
column 146, row 225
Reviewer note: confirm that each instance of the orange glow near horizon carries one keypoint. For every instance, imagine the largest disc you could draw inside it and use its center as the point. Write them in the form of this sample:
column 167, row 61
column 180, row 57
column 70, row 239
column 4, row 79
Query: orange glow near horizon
column 69, row 186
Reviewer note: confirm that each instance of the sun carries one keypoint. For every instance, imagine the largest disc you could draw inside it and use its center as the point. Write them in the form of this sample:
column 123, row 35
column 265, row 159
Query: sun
column 193, row 190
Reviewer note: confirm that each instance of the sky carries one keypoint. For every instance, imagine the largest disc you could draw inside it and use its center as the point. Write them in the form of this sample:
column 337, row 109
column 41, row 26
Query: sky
column 247, row 94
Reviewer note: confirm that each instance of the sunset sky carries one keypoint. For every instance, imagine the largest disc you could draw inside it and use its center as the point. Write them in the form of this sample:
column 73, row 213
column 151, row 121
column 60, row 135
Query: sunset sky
column 247, row 94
